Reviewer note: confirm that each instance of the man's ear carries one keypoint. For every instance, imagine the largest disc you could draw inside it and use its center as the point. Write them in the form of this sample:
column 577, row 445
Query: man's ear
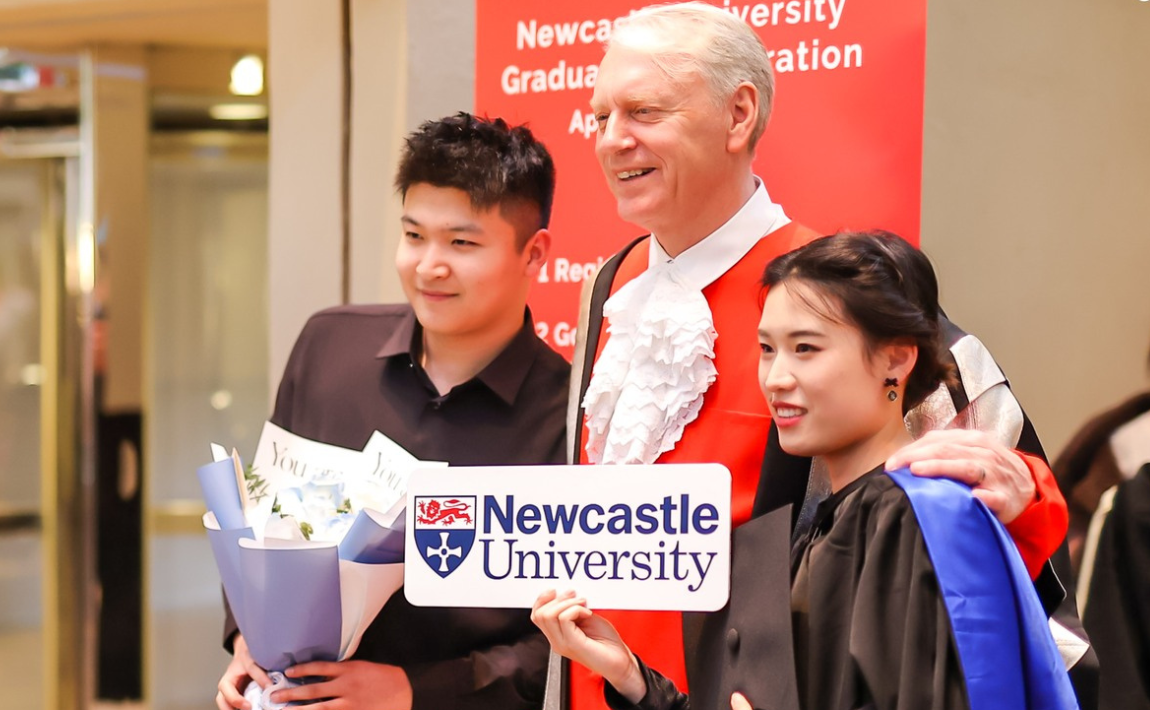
column 743, row 110
column 538, row 248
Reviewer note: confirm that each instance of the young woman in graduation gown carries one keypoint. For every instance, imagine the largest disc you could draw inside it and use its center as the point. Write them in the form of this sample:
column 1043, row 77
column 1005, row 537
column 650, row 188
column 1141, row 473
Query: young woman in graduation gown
column 906, row 593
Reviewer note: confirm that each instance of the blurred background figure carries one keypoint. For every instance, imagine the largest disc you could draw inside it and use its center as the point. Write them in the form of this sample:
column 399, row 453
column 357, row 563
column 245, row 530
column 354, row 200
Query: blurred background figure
column 1105, row 473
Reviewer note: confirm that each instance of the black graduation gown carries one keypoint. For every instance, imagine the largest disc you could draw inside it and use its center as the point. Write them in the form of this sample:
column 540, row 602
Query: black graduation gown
column 1118, row 611
column 870, row 626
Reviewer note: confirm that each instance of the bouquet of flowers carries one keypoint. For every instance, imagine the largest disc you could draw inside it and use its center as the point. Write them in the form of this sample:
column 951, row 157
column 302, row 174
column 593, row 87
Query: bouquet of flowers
column 308, row 543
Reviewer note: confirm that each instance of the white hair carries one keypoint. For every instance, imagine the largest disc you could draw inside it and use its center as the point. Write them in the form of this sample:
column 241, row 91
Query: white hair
column 696, row 37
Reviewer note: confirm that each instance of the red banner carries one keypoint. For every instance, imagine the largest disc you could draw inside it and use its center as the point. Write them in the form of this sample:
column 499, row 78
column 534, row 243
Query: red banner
column 843, row 148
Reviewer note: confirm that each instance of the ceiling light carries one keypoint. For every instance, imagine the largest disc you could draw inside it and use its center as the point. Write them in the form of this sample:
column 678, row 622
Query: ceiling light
column 238, row 112
column 221, row 400
column 248, row 76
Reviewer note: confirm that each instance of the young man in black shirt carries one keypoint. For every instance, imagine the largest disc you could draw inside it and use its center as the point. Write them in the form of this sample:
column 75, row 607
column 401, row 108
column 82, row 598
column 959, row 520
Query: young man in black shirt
column 458, row 376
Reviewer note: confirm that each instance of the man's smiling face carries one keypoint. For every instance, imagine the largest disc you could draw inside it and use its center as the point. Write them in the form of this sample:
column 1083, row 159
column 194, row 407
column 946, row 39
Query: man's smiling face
column 463, row 269
column 662, row 142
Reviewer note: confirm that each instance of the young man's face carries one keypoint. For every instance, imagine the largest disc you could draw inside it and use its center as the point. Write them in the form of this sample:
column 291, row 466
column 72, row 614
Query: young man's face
column 661, row 142
column 462, row 269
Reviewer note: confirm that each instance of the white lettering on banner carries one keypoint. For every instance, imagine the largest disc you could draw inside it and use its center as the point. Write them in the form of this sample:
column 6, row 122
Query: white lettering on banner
column 789, row 12
column 814, row 57
column 810, row 54
column 559, row 78
column 562, row 335
column 583, row 122
column 529, row 35
column 563, row 270
column 625, row 537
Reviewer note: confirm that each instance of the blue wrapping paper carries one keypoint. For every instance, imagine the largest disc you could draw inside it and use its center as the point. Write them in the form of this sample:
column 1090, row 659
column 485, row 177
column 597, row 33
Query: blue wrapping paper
column 291, row 602
column 370, row 542
column 221, row 493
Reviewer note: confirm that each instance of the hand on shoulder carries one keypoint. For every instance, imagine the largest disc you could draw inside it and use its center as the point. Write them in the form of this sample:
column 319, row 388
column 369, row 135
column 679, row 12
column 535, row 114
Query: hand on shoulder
column 998, row 475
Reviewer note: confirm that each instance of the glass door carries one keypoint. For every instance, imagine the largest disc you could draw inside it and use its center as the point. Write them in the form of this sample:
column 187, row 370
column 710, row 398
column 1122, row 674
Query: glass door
column 207, row 346
column 37, row 200
column 23, row 202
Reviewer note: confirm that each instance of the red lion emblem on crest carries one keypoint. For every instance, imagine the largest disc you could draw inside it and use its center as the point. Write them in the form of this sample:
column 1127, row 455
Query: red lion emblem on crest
column 451, row 511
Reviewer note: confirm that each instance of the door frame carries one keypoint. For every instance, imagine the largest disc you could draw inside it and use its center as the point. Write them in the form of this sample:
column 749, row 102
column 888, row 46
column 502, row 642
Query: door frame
column 66, row 518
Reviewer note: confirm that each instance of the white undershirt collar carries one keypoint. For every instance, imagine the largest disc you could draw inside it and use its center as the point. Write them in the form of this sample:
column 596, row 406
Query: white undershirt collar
column 712, row 257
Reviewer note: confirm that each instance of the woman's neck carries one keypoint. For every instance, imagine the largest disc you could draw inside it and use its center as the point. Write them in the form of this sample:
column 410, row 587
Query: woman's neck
column 849, row 464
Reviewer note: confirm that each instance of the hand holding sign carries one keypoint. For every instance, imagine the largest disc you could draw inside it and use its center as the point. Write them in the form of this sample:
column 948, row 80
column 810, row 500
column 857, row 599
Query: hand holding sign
column 576, row 632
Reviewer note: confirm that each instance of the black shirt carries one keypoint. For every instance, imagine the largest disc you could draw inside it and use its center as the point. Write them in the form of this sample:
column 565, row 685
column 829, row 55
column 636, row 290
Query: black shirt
column 355, row 369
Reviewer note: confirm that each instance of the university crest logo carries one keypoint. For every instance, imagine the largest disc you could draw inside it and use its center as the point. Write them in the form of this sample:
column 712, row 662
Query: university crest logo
column 444, row 530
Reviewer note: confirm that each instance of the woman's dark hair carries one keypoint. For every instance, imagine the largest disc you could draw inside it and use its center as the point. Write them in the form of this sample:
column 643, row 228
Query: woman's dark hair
column 883, row 286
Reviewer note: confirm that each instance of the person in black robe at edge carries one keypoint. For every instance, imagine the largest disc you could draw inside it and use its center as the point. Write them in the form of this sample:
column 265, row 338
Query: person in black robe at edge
column 1117, row 610
column 851, row 340
column 1105, row 470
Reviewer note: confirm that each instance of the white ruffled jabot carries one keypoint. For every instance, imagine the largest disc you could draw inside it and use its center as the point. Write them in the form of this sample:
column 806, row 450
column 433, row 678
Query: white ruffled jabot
column 649, row 381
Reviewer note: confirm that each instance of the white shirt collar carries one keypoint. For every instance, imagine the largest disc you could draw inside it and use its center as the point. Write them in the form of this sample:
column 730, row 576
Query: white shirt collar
column 712, row 257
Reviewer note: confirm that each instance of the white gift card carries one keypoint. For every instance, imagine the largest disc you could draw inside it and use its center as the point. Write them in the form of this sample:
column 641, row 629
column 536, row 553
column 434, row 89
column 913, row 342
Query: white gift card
column 391, row 464
column 375, row 477
column 625, row 537
column 285, row 459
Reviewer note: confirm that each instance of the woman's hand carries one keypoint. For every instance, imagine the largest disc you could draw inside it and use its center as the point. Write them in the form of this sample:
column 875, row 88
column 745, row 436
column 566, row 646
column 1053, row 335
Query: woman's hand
column 740, row 702
column 577, row 633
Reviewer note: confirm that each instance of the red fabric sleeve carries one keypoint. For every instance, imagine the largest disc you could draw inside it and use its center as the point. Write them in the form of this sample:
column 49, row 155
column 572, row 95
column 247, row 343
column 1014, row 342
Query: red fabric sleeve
column 1040, row 529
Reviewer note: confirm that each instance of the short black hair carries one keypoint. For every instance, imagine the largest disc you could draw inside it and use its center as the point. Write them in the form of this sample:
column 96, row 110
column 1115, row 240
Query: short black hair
column 494, row 163
column 883, row 286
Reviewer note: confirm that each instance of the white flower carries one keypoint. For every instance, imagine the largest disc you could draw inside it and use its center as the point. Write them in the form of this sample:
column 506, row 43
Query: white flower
column 323, row 512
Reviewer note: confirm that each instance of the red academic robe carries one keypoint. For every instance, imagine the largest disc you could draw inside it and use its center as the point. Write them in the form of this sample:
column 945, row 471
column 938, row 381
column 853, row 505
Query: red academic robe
column 732, row 429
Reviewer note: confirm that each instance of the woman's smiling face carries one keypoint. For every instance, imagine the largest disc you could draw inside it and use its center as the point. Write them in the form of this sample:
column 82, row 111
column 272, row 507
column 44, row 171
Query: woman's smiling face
column 822, row 383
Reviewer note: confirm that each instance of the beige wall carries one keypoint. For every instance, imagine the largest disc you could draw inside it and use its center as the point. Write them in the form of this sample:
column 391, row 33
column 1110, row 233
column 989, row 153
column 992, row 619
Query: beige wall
column 305, row 233
column 1036, row 194
column 378, row 123
column 400, row 76
column 120, row 147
